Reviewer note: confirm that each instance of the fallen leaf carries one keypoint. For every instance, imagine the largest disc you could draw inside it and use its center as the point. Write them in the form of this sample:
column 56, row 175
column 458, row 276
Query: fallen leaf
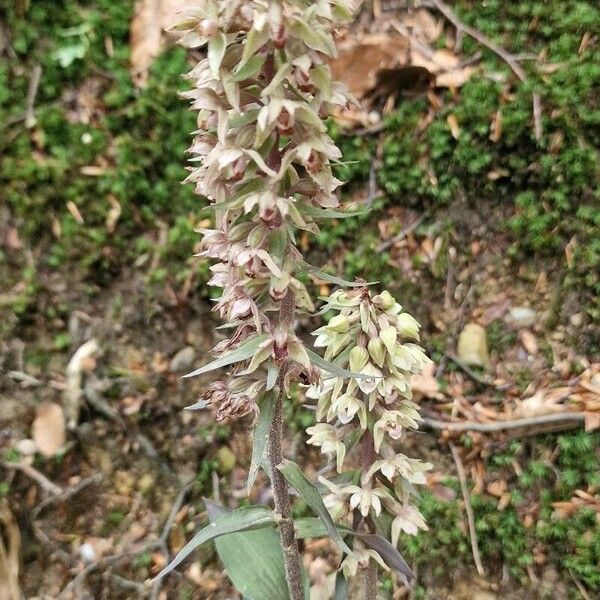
column 543, row 402
column 48, row 429
column 453, row 124
column 425, row 384
column 529, row 341
column 72, row 207
column 10, row 548
column 472, row 345
column 147, row 35
column 359, row 62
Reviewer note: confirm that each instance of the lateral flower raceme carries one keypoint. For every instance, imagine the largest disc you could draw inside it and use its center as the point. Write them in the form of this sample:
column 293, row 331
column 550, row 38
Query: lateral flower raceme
column 374, row 340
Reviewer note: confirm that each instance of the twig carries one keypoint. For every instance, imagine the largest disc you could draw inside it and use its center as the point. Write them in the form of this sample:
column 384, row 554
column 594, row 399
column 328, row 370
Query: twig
column 506, row 56
column 34, row 474
column 400, row 236
column 469, row 510
column 106, row 561
column 158, row 544
column 66, row 494
column 584, row 593
column 166, row 530
column 565, row 418
column 25, row 379
column 128, row 584
column 470, row 372
column 34, row 83
column 537, row 117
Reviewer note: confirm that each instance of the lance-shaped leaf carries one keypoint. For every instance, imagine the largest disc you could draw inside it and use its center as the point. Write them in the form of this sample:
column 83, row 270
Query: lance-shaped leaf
column 313, row 527
column 242, row 519
column 310, row 494
column 330, row 213
column 244, row 352
column 253, row 559
column 390, row 555
column 332, row 368
column 266, row 406
column 341, row 587
column 319, row 273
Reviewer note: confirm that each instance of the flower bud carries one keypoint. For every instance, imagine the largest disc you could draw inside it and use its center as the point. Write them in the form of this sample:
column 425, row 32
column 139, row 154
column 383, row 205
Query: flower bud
column 385, row 300
column 377, row 351
column 358, row 358
column 208, row 27
column 388, row 336
column 407, row 326
column 339, row 324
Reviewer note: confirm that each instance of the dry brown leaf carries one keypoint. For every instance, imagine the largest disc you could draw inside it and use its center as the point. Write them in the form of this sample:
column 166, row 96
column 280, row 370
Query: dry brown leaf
column 592, row 421
column 10, row 546
column 529, row 341
column 496, row 127
column 455, row 78
column 358, row 64
column 497, row 488
column 543, row 402
column 48, row 429
column 472, row 346
column 426, row 384
column 147, row 35
column 454, row 126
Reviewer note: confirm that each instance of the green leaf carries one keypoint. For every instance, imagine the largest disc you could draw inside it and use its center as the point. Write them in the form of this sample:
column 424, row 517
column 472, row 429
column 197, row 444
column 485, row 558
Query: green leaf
column 266, row 406
column 329, row 213
column 253, row 559
column 313, row 527
column 242, row 519
column 341, row 587
column 310, row 494
column 245, row 351
column 332, row 368
column 332, row 278
column 216, row 51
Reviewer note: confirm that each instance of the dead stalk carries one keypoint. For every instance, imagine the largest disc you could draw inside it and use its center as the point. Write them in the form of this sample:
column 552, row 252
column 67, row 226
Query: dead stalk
column 468, row 509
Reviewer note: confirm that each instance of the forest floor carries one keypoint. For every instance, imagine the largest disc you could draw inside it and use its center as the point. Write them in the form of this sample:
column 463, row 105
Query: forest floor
column 485, row 221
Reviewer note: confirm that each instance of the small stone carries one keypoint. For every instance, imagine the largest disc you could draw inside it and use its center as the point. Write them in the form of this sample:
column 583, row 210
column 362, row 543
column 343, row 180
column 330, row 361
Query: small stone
column 521, row 317
column 472, row 346
column 87, row 554
column 576, row 320
column 226, row 459
column 483, row 596
column 26, row 447
column 145, row 483
column 183, row 360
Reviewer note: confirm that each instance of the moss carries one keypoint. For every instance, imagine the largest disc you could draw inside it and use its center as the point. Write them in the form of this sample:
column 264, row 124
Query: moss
column 571, row 542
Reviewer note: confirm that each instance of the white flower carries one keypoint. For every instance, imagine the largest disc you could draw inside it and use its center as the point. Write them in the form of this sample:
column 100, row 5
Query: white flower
column 366, row 499
column 368, row 384
column 360, row 558
column 407, row 519
column 346, row 407
column 411, row 469
column 326, row 436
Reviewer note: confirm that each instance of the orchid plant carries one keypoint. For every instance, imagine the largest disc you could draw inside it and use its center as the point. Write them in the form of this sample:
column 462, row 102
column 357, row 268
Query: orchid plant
column 263, row 159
